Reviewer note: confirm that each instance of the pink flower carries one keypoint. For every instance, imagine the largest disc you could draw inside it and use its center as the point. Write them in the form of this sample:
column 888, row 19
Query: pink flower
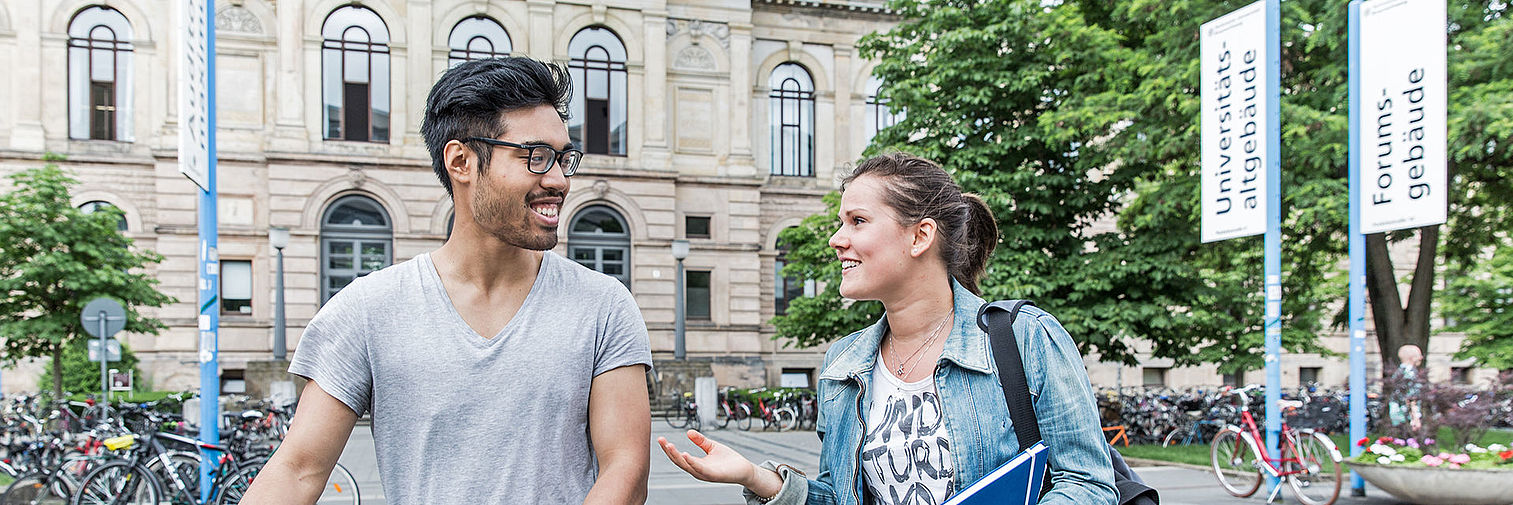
column 1453, row 465
column 1413, row 442
column 1460, row 459
column 1431, row 460
column 1444, row 455
column 1428, row 441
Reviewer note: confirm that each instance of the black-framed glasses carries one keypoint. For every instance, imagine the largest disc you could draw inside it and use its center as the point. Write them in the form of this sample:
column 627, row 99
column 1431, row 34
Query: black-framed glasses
column 537, row 160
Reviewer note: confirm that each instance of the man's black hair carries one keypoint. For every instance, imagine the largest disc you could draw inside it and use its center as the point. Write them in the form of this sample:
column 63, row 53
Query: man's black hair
column 469, row 101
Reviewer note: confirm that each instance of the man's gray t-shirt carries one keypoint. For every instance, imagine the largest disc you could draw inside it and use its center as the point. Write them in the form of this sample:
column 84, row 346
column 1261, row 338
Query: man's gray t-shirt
column 459, row 418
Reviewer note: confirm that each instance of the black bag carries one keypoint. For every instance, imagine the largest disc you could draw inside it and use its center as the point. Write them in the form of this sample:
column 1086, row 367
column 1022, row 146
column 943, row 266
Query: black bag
column 997, row 320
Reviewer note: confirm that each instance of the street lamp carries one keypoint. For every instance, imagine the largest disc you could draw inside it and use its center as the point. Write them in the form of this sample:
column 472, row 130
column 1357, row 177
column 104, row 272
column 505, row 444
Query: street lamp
column 680, row 253
column 278, row 236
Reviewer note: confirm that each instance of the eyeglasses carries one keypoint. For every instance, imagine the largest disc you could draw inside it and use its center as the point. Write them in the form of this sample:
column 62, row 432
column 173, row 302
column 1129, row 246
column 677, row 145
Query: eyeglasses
column 538, row 162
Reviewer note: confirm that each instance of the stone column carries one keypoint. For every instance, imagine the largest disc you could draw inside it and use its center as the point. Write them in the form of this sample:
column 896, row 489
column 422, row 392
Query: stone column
column 289, row 95
column 842, row 83
column 26, row 78
column 740, row 86
column 540, row 40
column 420, row 75
column 655, row 110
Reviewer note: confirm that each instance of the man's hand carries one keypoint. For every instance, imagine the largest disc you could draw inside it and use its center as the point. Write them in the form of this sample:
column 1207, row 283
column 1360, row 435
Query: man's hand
column 619, row 426
column 299, row 468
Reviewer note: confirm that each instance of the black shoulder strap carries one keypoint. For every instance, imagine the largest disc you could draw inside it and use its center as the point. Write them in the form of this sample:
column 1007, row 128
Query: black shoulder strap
column 997, row 320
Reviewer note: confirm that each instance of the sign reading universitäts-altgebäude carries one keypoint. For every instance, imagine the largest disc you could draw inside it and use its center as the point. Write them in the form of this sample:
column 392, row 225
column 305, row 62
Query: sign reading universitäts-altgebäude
column 1234, row 123
column 1403, row 104
column 194, row 95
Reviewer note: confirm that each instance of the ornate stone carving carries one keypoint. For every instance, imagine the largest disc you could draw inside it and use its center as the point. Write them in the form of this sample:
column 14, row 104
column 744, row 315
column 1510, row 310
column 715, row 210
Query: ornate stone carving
column 237, row 19
column 356, row 176
column 695, row 58
column 695, row 27
column 601, row 187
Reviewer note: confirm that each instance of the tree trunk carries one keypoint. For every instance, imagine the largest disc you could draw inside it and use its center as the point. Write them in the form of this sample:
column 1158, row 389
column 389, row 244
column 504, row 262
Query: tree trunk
column 1397, row 325
column 58, row 373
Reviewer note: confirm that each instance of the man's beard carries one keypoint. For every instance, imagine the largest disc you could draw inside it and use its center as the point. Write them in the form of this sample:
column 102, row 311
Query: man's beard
column 512, row 225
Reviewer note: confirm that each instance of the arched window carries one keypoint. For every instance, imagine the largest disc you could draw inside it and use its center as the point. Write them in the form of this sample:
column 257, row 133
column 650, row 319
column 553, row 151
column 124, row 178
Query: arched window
column 597, row 124
column 599, row 239
column 355, row 75
column 879, row 115
column 792, row 118
column 97, row 205
column 355, row 239
column 477, row 38
column 99, row 75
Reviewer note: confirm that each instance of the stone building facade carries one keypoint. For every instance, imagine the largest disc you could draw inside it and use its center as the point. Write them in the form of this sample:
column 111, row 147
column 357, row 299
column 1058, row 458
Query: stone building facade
column 718, row 121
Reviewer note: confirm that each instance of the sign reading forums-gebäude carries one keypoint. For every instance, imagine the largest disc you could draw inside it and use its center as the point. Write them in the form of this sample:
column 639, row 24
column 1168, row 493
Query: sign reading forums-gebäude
column 1404, row 97
column 1234, row 123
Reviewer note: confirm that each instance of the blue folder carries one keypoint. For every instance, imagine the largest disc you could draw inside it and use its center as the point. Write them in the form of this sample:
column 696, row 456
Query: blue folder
column 1015, row 482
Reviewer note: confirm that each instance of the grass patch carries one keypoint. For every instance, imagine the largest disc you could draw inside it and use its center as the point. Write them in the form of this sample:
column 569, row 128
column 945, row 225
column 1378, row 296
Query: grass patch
column 5, row 480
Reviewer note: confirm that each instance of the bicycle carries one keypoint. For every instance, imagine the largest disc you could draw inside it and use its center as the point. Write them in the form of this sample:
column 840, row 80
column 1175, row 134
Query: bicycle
column 685, row 415
column 771, row 415
column 1309, row 462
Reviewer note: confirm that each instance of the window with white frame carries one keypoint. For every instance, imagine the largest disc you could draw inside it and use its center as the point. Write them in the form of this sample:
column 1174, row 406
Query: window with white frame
column 94, row 206
column 791, row 116
column 878, row 115
column 355, row 75
column 598, row 121
column 477, row 38
column 99, row 75
column 356, row 238
column 598, row 238
column 236, row 287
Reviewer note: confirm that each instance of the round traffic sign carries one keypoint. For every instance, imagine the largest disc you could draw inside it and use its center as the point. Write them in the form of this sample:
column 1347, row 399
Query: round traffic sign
column 110, row 310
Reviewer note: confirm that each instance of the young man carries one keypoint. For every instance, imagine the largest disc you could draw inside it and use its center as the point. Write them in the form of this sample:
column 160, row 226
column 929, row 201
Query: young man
column 496, row 371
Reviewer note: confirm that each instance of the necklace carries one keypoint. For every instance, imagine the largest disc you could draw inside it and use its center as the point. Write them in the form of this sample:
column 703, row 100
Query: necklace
column 914, row 357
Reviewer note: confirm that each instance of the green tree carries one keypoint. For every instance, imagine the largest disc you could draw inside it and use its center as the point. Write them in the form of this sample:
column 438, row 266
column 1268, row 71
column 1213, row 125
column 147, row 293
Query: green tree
column 1062, row 113
column 56, row 258
column 80, row 375
column 1480, row 303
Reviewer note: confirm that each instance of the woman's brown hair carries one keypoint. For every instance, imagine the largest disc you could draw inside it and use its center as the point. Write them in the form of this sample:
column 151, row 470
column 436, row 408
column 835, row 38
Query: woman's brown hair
column 916, row 188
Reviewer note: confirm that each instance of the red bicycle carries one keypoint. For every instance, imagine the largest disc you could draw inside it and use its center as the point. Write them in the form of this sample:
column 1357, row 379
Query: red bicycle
column 1309, row 462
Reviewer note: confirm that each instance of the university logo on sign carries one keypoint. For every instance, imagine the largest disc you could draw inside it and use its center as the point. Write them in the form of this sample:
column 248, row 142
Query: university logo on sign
column 1235, row 133
column 1403, row 100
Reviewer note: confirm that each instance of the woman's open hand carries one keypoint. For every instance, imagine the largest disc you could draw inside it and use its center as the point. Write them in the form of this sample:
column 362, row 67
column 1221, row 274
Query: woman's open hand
column 721, row 463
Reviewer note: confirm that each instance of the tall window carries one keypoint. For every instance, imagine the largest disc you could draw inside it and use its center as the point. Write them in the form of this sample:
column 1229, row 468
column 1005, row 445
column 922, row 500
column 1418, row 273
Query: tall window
column 792, row 118
column 598, row 71
column 236, row 287
column 786, row 288
column 99, row 75
column 879, row 115
column 696, row 294
column 599, row 239
column 355, row 240
column 477, row 38
column 355, row 75
column 98, row 206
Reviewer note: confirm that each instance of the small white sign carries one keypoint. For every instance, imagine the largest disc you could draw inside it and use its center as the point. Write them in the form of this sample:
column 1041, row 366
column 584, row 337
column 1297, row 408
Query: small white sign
column 194, row 94
column 1235, row 129
column 1404, row 97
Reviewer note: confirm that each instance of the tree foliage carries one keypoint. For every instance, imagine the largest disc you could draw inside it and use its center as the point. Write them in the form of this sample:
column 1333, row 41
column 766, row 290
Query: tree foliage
column 55, row 259
column 1480, row 303
column 1064, row 113
column 80, row 375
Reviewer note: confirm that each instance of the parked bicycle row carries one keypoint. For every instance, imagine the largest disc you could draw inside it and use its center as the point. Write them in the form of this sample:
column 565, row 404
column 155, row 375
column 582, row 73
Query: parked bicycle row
column 138, row 453
column 780, row 409
column 1195, row 415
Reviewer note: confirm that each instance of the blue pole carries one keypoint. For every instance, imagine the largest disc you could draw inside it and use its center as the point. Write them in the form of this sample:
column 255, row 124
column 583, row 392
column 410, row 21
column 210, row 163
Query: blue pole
column 1357, row 257
column 1273, row 238
column 210, row 278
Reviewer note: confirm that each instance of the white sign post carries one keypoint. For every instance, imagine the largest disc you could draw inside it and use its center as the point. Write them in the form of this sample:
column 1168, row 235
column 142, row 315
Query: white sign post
column 194, row 97
column 1235, row 129
column 1404, row 94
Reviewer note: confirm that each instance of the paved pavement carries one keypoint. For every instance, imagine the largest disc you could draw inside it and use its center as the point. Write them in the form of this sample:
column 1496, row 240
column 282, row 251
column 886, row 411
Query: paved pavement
column 670, row 486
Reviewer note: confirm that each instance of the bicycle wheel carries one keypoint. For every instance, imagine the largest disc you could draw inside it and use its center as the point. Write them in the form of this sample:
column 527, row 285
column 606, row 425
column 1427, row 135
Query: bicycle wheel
column 1233, row 462
column 36, row 489
column 231, row 490
column 186, row 465
column 110, row 482
column 786, row 419
column 341, row 488
column 1179, row 436
column 744, row 421
column 1319, row 477
column 722, row 416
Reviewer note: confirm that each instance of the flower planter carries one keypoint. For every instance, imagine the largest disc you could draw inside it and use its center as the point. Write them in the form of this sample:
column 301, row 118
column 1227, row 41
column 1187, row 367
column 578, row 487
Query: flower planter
column 1427, row 485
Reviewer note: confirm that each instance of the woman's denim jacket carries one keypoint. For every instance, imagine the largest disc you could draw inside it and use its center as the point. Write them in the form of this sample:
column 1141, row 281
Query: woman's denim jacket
column 976, row 416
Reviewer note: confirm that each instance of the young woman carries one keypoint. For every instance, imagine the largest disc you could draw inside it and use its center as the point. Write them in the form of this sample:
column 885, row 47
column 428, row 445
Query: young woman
column 911, row 410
